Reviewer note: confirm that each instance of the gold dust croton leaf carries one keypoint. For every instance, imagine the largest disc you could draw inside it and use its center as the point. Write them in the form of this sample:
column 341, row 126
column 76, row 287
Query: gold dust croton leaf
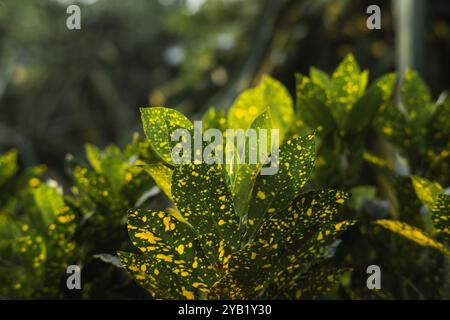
column 441, row 216
column 159, row 123
column 270, row 93
column 162, row 175
column 363, row 111
column 111, row 163
column 202, row 194
column 311, row 104
column 386, row 84
column 427, row 191
column 320, row 78
column 170, row 258
column 50, row 202
column 347, row 85
column 416, row 98
column 213, row 119
column 314, row 284
column 272, row 193
column 412, row 233
column 289, row 243
column 246, row 173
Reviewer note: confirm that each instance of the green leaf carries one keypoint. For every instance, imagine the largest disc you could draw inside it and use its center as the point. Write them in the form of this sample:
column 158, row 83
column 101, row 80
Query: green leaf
column 290, row 242
column 270, row 93
column 313, row 285
column 320, row 78
column 159, row 123
column 412, row 233
column 348, row 83
column 386, row 84
column 93, row 155
column 362, row 113
column 141, row 269
column 49, row 201
column 416, row 98
column 246, row 173
column 273, row 193
column 162, row 175
column 311, row 104
column 171, row 254
column 213, row 119
column 427, row 191
column 111, row 163
column 201, row 193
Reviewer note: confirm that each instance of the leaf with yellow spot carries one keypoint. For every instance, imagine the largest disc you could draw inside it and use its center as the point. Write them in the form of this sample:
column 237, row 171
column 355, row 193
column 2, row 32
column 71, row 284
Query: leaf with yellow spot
column 202, row 194
column 427, row 191
column 347, row 85
column 320, row 78
column 311, row 104
column 246, row 173
column 271, row 94
column 159, row 124
column 162, row 175
column 363, row 111
column 273, row 193
column 416, row 98
column 289, row 243
column 314, row 284
column 213, row 119
column 412, row 233
column 49, row 201
column 157, row 287
column 170, row 247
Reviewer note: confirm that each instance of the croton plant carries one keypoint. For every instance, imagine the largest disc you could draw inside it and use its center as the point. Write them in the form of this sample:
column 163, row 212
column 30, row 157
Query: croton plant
column 362, row 178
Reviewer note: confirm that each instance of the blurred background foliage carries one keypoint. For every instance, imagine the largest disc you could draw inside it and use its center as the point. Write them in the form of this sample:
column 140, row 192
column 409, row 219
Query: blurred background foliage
column 60, row 89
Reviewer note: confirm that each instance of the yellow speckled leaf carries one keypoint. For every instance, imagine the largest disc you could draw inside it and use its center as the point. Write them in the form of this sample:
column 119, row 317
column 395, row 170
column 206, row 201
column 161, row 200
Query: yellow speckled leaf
column 427, row 191
column 159, row 123
column 202, row 194
column 270, row 93
column 412, row 233
column 162, row 175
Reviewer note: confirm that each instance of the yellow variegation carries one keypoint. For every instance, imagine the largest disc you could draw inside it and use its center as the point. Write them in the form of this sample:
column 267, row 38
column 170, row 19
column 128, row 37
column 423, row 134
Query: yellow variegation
column 413, row 234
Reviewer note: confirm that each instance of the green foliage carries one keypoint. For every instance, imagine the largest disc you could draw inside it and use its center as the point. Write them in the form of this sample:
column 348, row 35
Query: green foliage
column 419, row 128
column 159, row 124
column 341, row 110
column 42, row 231
column 433, row 198
column 36, row 230
column 229, row 232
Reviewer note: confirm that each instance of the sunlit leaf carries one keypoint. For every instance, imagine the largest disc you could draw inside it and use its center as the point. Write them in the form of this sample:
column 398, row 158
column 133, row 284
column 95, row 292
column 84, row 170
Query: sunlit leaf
column 268, row 94
column 427, row 191
column 412, row 233
column 311, row 104
column 348, row 84
column 246, row 173
column 201, row 193
column 273, row 193
column 159, row 123
column 162, row 176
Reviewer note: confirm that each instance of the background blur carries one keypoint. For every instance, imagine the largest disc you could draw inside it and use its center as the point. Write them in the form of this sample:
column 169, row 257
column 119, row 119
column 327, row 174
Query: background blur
column 60, row 89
